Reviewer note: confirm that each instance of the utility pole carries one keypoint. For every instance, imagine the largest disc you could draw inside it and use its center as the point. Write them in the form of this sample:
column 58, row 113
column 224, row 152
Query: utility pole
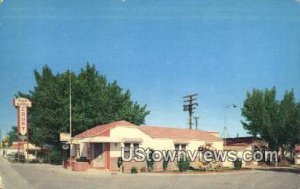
column 196, row 121
column 70, row 109
column 189, row 105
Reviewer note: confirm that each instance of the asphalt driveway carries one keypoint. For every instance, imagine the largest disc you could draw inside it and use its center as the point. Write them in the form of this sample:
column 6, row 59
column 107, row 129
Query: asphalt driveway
column 36, row 176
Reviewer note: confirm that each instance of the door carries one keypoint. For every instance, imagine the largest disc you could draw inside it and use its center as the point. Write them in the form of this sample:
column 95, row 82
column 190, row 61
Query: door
column 99, row 155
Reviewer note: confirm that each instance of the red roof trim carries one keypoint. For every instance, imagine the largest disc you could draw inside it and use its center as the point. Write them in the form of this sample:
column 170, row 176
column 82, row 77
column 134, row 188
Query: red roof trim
column 153, row 132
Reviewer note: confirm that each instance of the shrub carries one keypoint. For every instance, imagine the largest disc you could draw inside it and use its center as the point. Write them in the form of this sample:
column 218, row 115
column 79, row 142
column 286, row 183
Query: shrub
column 120, row 162
column 134, row 170
column 22, row 159
column 150, row 162
column 33, row 161
column 143, row 169
column 55, row 157
column 15, row 158
column 82, row 159
column 238, row 163
column 183, row 164
column 43, row 156
column 165, row 164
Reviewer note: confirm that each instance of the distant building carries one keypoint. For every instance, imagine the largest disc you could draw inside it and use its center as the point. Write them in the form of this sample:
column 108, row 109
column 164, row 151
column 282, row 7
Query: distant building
column 297, row 154
column 29, row 150
column 242, row 144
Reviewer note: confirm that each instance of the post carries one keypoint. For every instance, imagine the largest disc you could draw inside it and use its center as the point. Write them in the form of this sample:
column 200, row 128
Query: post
column 190, row 106
column 70, row 109
column 196, row 121
column 22, row 104
column 225, row 130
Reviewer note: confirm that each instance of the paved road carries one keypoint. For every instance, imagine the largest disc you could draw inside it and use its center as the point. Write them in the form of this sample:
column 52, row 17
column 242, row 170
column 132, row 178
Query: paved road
column 35, row 176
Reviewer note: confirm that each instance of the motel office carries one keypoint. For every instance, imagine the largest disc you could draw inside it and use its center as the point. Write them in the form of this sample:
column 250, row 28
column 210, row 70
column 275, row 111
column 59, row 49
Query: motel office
column 102, row 144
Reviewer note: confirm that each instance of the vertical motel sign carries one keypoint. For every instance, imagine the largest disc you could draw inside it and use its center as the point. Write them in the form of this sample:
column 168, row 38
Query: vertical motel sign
column 22, row 104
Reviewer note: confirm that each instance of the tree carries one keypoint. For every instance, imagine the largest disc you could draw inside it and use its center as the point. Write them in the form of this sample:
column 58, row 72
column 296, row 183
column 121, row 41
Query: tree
column 95, row 101
column 276, row 121
column 12, row 135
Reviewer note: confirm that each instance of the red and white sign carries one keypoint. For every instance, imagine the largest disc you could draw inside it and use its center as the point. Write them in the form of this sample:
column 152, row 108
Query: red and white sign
column 22, row 104
column 23, row 120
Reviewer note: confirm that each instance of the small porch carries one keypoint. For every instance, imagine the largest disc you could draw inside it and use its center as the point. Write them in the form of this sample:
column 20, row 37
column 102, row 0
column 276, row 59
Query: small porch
column 93, row 153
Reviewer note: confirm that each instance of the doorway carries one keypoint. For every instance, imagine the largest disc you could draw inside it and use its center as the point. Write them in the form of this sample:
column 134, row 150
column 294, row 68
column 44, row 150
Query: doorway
column 99, row 155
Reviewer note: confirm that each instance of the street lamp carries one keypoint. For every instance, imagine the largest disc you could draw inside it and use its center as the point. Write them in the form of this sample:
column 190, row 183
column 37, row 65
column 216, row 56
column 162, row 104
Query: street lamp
column 225, row 130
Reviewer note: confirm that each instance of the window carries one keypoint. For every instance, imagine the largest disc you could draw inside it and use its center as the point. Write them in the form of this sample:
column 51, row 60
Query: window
column 77, row 150
column 126, row 150
column 180, row 147
column 135, row 146
column 183, row 147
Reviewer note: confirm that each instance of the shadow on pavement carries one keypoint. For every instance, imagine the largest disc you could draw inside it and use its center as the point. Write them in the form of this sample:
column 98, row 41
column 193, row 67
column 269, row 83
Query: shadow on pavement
column 281, row 169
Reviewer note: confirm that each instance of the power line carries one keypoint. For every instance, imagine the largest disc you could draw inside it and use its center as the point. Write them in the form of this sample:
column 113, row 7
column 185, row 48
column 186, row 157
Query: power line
column 189, row 105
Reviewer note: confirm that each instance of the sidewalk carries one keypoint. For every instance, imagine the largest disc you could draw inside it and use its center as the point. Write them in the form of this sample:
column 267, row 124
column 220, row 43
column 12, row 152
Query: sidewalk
column 10, row 178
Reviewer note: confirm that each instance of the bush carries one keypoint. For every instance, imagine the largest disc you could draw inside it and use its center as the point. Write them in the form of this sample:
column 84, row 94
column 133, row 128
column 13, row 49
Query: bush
column 134, row 170
column 43, row 157
column 120, row 162
column 150, row 163
column 55, row 157
column 165, row 164
column 237, row 163
column 22, row 158
column 15, row 158
column 183, row 164
column 82, row 159
column 143, row 169
column 33, row 161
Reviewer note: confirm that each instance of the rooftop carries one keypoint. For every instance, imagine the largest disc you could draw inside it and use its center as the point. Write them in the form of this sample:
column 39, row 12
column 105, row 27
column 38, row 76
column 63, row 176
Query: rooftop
column 153, row 131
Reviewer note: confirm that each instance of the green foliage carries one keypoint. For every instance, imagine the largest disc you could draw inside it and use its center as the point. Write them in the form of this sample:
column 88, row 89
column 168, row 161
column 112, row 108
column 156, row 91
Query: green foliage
column 183, row 164
column 150, row 161
column 276, row 121
column 166, row 162
column 82, row 159
column 238, row 163
column 12, row 135
column 33, row 161
column 55, row 156
column 134, row 170
column 120, row 162
column 16, row 158
column 95, row 101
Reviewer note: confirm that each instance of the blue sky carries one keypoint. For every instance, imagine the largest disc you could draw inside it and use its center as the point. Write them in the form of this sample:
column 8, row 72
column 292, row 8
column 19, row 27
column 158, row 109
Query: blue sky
column 159, row 49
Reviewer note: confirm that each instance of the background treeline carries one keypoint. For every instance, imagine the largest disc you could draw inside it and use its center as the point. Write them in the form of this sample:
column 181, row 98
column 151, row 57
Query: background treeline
column 95, row 101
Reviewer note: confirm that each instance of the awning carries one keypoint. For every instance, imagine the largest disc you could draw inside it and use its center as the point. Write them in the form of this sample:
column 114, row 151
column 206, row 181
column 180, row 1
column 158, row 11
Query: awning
column 75, row 141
